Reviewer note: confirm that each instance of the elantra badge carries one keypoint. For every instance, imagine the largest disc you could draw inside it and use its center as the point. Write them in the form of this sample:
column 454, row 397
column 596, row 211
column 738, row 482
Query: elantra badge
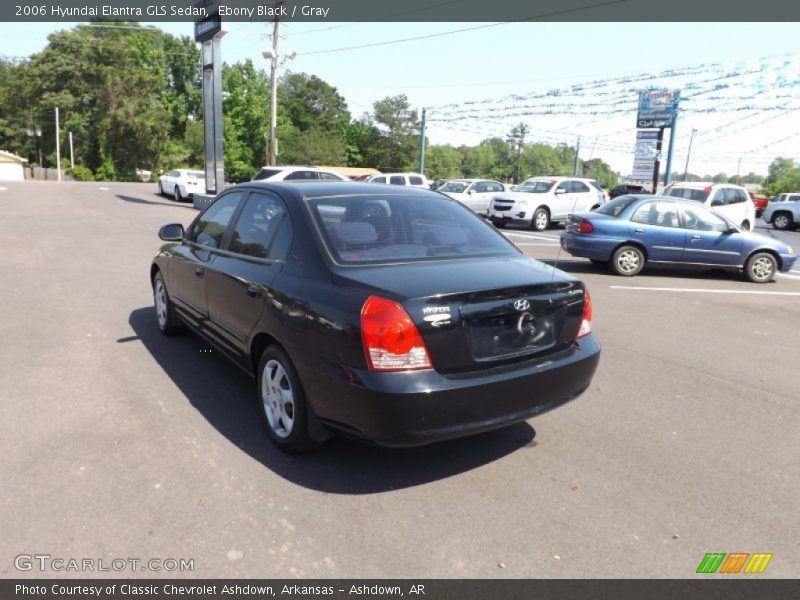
column 437, row 315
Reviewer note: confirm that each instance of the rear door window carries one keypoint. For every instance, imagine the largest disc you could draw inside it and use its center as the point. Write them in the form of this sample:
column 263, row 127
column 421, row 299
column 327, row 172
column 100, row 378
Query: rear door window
column 397, row 180
column 258, row 225
column 579, row 187
column 698, row 195
column 662, row 214
column 378, row 180
column 415, row 180
column 211, row 226
column 397, row 228
column 720, row 198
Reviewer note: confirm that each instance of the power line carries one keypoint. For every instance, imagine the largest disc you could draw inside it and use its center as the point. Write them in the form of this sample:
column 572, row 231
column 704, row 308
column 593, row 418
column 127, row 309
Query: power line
column 476, row 27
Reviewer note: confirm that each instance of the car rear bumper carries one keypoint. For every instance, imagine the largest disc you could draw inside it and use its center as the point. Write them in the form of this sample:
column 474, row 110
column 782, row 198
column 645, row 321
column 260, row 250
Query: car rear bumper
column 587, row 246
column 416, row 408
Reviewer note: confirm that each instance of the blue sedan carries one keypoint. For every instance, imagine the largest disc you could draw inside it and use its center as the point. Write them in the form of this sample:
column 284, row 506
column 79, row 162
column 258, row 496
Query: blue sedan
column 633, row 230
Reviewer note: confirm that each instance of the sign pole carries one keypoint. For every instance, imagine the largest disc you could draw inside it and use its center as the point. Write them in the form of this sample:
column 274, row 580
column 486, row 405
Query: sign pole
column 671, row 146
column 657, row 162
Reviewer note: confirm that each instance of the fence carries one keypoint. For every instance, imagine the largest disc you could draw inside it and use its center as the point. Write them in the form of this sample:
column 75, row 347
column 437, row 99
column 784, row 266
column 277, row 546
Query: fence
column 45, row 174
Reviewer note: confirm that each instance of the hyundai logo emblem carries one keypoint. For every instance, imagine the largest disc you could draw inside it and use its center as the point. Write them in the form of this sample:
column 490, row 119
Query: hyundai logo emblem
column 522, row 304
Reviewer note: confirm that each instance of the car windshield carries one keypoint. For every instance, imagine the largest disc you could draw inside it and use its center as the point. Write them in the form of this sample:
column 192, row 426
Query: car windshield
column 454, row 186
column 535, row 186
column 387, row 228
column 266, row 174
column 616, row 206
column 695, row 194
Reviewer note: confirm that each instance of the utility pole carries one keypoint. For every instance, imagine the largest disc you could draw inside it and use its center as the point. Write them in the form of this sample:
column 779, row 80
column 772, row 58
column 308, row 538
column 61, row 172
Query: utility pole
column 738, row 167
column 71, row 155
column 272, row 156
column 577, row 152
column 688, row 154
column 58, row 147
column 422, row 144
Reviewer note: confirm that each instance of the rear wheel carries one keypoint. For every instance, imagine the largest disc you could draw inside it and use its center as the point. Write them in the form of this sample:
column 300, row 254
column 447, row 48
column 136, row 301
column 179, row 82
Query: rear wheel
column 627, row 261
column 160, row 189
column 761, row 267
column 782, row 221
column 282, row 402
column 499, row 224
column 177, row 194
column 540, row 220
column 165, row 316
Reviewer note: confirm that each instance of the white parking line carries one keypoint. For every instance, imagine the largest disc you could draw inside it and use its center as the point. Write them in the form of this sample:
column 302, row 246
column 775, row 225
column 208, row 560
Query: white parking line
column 533, row 236
column 550, row 244
column 788, row 276
column 702, row 290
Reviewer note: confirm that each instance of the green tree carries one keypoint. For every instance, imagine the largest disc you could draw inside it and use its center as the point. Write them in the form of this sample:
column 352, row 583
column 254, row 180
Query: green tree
column 516, row 138
column 245, row 119
column 398, row 148
column 442, row 162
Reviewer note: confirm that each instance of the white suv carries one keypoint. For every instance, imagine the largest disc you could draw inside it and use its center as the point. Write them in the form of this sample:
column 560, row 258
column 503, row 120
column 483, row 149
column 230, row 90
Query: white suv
column 539, row 201
column 292, row 173
column 409, row 179
column 731, row 201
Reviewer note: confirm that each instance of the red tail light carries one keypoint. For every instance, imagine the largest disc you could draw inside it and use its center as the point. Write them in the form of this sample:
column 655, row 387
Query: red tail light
column 391, row 340
column 707, row 189
column 586, row 323
column 585, row 227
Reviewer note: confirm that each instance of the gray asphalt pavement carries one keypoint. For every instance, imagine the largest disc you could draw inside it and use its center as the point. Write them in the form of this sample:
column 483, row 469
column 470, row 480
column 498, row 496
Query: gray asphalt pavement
column 119, row 443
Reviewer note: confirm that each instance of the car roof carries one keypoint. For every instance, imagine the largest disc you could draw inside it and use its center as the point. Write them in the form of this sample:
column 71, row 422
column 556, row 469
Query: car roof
column 330, row 189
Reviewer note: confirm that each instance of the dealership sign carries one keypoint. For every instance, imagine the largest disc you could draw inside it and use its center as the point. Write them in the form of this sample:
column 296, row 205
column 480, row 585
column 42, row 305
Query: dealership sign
column 644, row 157
column 656, row 108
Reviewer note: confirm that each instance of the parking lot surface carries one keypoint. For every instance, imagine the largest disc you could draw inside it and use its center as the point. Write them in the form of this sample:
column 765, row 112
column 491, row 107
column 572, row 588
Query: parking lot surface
column 118, row 442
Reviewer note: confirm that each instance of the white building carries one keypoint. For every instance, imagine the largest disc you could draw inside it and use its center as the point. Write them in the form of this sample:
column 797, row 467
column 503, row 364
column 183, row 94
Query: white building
column 12, row 167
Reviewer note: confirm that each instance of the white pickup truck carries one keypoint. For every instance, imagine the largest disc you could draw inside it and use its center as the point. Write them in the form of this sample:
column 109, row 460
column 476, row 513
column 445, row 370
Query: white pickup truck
column 539, row 201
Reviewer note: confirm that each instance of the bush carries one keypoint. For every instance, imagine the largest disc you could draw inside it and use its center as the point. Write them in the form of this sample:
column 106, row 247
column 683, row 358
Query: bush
column 81, row 173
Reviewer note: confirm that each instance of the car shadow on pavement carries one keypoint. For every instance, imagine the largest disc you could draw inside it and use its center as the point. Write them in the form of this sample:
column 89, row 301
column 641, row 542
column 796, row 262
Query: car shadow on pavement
column 166, row 201
column 579, row 266
column 226, row 398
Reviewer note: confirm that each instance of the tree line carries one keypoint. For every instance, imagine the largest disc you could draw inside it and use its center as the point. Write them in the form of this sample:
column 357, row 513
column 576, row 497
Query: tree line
column 132, row 99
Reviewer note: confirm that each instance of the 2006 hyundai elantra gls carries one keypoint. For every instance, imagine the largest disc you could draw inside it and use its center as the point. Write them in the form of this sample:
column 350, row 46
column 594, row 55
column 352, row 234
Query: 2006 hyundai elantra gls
column 389, row 314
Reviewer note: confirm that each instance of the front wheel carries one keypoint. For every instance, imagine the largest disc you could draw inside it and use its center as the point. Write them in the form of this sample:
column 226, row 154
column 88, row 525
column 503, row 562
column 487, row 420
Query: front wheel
column 282, row 402
column 165, row 315
column 177, row 194
column 761, row 267
column 782, row 221
column 628, row 261
column 499, row 224
column 160, row 189
column 540, row 220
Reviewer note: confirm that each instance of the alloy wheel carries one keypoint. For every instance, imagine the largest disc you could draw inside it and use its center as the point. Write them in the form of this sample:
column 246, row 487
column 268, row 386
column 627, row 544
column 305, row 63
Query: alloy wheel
column 278, row 399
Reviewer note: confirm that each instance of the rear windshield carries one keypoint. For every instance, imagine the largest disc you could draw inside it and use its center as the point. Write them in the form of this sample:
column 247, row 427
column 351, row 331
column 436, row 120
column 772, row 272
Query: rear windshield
column 687, row 194
column 196, row 174
column 266, row 174
column 535, row 187
column 395, row 228
column 615, row 206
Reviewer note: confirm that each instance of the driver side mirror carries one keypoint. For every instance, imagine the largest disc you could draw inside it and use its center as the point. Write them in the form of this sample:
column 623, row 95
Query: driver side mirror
column 171, row 233
column 470, row 192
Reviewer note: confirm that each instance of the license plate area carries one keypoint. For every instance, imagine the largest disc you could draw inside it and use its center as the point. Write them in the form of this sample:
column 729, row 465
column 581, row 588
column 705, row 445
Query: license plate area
column 509, row 334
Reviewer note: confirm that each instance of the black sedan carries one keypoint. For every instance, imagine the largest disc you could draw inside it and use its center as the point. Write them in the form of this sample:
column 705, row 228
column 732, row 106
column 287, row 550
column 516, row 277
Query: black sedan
column 389, row 314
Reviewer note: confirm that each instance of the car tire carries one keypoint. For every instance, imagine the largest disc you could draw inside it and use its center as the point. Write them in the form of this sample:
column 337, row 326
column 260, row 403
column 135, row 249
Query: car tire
column 165, row 314
column 782, row 221
column 280, row 392
column 176, row 193
column 746, row 225
column 540, row 220
column 761, row 267
column 628, row 261
column 499, row 224
column 160, row 189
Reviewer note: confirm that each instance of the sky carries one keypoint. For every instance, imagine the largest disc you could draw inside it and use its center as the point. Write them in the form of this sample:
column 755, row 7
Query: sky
column 487, row 65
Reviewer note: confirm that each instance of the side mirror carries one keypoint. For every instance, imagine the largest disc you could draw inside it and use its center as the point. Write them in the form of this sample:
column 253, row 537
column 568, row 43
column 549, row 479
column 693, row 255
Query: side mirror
column 171, row 233
column 470, row 192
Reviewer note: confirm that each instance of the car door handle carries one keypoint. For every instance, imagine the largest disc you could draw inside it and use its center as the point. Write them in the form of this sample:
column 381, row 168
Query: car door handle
column 638, row 231
column 695, row 238
column 199, row 271
column 253, row 290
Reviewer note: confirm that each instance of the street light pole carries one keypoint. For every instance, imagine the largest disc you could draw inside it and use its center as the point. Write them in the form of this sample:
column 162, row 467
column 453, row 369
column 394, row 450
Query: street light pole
column 688, row 154
column 58, row 147
column 272, row 156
